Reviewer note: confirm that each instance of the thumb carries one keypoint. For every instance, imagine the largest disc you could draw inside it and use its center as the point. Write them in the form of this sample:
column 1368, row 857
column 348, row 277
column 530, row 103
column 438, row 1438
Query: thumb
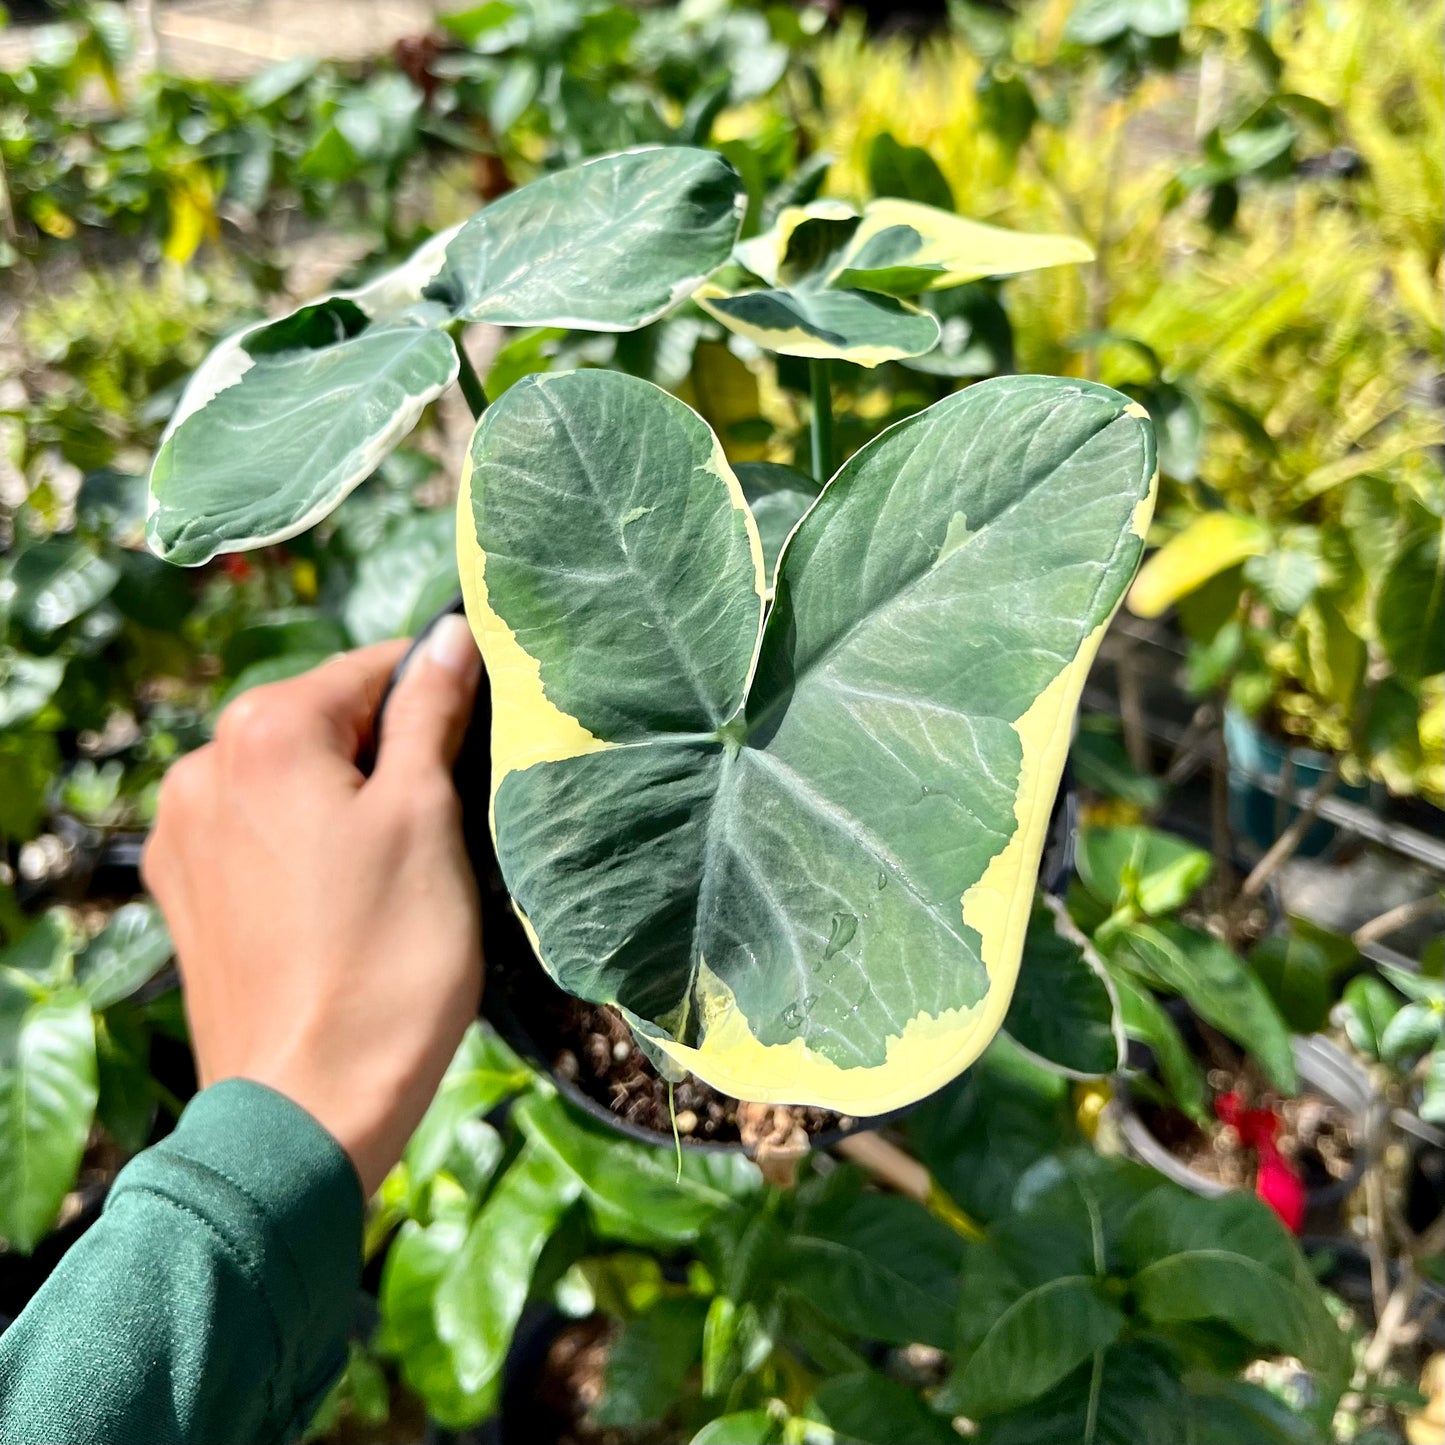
column 427, row 714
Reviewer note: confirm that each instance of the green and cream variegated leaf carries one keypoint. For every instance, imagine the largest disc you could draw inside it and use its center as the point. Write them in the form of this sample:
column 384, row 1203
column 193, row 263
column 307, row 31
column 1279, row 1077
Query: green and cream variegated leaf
column 607, row 245
column 904, row 248
column 818, row 322
column 794, row 240
column 284, row 419
column 800, row 856
column 778, row 496
column 835, row 278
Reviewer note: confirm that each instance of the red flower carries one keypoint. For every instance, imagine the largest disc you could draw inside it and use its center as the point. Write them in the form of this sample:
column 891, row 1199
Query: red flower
column 1276, row 1180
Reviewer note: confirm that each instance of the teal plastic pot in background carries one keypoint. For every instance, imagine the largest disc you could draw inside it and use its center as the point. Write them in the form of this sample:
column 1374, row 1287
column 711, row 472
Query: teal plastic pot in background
column 1255, row 814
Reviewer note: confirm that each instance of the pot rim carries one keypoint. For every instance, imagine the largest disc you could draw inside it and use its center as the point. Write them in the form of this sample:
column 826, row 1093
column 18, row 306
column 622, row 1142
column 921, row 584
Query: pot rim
column 1319, row 1060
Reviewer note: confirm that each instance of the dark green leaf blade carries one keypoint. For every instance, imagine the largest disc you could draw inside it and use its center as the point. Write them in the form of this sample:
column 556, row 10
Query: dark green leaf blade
column 1217, row 985
column 48, row 1095
column 634, row 1189
column 1043, row 1336
column 878, row 1265
column 1063, row 1008
column 129, row 951
column 865, row 1407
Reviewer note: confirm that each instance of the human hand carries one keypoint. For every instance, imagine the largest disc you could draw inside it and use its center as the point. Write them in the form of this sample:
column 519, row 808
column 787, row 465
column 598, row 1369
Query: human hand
column 326, row 923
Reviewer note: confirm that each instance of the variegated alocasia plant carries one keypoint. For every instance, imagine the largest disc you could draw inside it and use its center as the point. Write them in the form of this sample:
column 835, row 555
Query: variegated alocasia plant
column 796, row 845
column 834, row 284
column 284, row 419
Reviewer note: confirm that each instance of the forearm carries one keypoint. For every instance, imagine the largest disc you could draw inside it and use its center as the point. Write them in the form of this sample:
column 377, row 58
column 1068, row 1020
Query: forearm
column 210, row 1302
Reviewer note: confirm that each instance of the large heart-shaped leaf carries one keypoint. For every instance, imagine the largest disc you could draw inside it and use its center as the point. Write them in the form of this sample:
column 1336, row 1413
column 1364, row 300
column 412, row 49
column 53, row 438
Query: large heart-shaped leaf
column 47, row 1101
column 801, row 860
column 607, row 245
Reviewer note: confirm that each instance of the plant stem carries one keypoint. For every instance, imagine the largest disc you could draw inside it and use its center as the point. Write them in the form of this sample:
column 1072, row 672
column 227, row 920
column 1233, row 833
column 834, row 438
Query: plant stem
column 1096, row 1387
column 1394, row 919
column 1284, row 847
column 471, row 383
column 1131, row 705
column 1221, row 835
column 821, row 425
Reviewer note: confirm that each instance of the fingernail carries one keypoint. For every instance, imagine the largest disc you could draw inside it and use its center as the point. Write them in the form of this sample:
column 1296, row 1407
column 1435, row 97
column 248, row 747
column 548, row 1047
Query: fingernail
column 452, row 646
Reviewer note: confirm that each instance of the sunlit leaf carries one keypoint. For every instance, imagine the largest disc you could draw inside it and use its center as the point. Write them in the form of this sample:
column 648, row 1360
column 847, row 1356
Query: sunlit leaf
column 863, row 806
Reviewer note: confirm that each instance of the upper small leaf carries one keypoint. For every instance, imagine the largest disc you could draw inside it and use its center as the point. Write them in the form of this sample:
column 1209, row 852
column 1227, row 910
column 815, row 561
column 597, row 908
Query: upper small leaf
column 835, row 278
column 607, row 245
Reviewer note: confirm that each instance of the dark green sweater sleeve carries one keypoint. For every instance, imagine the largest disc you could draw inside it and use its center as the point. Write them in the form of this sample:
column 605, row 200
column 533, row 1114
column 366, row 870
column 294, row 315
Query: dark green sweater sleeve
column 210, row 1301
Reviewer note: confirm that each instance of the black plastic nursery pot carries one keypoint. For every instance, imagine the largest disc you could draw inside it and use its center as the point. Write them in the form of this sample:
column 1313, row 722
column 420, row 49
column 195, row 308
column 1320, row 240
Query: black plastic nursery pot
column 530, row 1011
column 1324, row 1070
column 100, row 864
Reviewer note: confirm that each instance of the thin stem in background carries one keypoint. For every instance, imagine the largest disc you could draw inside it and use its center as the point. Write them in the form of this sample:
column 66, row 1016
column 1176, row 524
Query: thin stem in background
column 820, row 427
column 1131, row 706
column 1096, row 1387
column 471, row 383
column 1221, row 836
column 1284, row 847
column 1396, row 918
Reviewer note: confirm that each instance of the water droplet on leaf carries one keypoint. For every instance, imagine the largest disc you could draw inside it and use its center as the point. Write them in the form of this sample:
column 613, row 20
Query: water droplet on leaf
column 845, row 925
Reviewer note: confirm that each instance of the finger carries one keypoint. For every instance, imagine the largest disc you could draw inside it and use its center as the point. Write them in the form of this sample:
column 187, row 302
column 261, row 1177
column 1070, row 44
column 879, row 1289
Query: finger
column 332, row 708
column 427, row 714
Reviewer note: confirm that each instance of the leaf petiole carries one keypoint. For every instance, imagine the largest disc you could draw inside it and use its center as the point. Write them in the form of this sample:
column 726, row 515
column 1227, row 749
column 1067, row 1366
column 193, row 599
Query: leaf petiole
column 820, row 428
column 471, row 383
